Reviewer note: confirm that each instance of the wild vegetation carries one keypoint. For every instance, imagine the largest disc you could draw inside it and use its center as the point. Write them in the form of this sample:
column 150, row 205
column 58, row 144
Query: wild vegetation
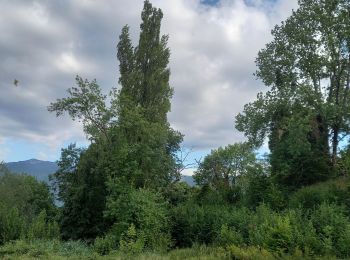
column 121, row 197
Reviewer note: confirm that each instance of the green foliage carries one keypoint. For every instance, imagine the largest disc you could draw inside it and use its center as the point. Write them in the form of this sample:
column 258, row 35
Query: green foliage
column 105, row 245
column 222, row 167
column 306, row 68
column 12, row 224
column 148, row 145
column 271, row 231
column 249, row 253
column 87, row 104
column 260, row 188
column 25, row 193
column 133, row 142
column 193, row 223
column 22, row 198
column 344, row 162
column 132, row 242
column 228, row 236
column 46, row 249
column 178, row 192
column 333, row 191
column 331, row 223
column 41, row 228
column 147, row 210
column 82, row 189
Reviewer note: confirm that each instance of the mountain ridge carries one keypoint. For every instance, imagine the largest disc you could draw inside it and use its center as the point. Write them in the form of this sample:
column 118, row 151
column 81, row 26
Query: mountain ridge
column 42, row 169
column 34, row 167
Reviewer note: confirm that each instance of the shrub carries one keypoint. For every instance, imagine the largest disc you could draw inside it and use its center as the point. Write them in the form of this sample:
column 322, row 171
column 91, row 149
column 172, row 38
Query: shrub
column 332, row 227
column 312, row 196
column 12, row 224
column 131, row 241
column 46, row 249
column 41, row 228
column 147, row 211
column 193, row 223
column 271, row 230
column 228, row 236
column 343, row 242
column 104, row 245
column 249, row 253
column 177, row 193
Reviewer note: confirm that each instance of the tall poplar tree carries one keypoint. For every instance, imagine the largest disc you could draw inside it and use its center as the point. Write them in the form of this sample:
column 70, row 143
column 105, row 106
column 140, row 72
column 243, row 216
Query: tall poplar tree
column 144, row 101
column 133, row 145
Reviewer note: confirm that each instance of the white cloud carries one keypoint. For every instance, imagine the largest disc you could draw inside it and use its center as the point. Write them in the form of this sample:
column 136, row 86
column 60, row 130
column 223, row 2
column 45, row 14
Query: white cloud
column 67, row 63
column 188, row 172
column 45, row 43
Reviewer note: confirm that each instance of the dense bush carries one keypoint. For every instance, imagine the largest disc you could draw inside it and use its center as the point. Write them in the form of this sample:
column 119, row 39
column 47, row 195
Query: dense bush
column 146, row 210
column 46, row 249
column 12, row 224
column 41, row 228
column 26, row 208
column 228, row 236
column 309, row 197
column 132, row 242
column 104, row 245
column 25, row 193
column 261, row 189
column 193, row 223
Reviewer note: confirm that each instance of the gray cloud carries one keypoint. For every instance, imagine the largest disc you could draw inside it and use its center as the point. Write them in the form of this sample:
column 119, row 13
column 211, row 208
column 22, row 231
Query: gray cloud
column 44, row 44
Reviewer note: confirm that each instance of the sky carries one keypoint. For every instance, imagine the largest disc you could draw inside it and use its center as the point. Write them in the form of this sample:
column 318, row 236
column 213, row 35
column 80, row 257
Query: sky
column 45, row 44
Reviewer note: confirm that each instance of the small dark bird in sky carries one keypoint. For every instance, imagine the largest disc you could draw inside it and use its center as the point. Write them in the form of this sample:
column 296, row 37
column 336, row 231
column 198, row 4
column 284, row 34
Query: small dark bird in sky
column 15, row 82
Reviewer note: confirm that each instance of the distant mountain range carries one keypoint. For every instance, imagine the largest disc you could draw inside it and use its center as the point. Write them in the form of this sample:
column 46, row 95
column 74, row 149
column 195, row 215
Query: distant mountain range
column 37, row 168
column 42, row 169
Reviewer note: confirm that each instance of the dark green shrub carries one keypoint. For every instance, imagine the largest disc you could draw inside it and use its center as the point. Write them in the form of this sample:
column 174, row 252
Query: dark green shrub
column 147, row 210
column 104, row 245
column 42, row 228
column 193, row 223
column 177, row 193
column 12, row 224
column 262, row 189
column 332, row 227
column 208, row 196
column 271, row 230
column 343, row 242
column 313, row 196
column 228, row 236
column 132, row 242
column 249, row 253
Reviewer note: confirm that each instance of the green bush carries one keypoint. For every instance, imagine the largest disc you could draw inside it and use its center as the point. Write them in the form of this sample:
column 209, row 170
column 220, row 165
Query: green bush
column 12, row 224
column 335, row 191
column 249, row 253
column 132, row 242
column 46, row 249
column 228, row 236
column 332, row 227
column 147, row 210
column 41, row 228
column 260, row 188
column 104, row 245
column 312, row 196
column 177, row 193
column 271, row 230
column 25, row 193
column 343, row 242
column 193, row 223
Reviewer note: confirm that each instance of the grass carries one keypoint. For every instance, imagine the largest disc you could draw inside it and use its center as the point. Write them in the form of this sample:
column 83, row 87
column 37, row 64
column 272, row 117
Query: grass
column 54, row 249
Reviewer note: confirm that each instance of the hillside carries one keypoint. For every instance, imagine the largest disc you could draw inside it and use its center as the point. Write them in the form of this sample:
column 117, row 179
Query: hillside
column 37, row 168
column 42, row 169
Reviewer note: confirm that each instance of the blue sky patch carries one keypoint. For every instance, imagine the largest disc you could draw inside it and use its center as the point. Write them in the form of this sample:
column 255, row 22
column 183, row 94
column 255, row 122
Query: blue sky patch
column 210, row 2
